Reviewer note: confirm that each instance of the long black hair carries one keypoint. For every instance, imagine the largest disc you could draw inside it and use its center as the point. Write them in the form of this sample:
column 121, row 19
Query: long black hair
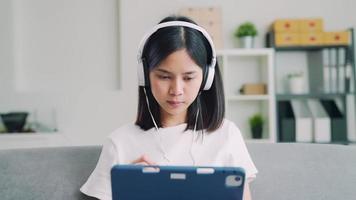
column 160, row 45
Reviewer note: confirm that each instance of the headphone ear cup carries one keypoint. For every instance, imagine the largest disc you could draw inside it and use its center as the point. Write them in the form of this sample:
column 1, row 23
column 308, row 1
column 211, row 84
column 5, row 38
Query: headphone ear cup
column 205, row 77
column 140, row 74
column 209, row 78
column 145, row 72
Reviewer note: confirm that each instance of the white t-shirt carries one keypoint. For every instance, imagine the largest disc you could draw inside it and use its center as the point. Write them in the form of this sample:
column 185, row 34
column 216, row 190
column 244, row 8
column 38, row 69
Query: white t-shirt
column 223, row 147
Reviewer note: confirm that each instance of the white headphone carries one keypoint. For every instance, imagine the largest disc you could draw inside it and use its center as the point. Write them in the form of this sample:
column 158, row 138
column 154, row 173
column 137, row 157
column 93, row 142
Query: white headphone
column 211, row 67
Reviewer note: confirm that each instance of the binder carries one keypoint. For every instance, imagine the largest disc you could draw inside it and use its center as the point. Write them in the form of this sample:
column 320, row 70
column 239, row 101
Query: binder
column 327, row 70
column 303, row 121
column 318, row 71
column 333, row 59
column 351, row 118
column 286, row 122
column 341, row 70
column 338, row 121
column 326, row 73
column 350, row 78
column 321, row 122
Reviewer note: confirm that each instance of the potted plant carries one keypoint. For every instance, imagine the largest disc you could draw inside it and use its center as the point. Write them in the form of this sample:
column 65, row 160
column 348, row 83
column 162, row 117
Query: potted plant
column 14, row 121
column 296, row 82
column 256, row 124
column 246, row 33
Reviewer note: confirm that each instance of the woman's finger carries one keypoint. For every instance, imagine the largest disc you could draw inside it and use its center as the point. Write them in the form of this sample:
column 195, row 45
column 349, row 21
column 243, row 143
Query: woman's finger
column 144, row 160
column 148, row 160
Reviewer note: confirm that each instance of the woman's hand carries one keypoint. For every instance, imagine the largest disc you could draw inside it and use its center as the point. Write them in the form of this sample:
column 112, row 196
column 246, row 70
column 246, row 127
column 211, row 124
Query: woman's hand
column 143, row 160
column 247, row 193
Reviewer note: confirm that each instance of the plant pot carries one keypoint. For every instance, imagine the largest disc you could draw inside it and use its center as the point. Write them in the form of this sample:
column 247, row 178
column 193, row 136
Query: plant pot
column 296, row 85
column 14, row 121
column 256, row 132
column 246, row 42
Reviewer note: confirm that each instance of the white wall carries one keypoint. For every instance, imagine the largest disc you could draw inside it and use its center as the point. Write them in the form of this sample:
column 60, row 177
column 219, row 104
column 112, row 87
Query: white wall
column 66, row 40
column 6, row 47
column 65, row 58
column 76, row 40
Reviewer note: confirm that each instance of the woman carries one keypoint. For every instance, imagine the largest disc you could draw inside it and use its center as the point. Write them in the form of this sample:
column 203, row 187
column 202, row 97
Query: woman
column 181, row 109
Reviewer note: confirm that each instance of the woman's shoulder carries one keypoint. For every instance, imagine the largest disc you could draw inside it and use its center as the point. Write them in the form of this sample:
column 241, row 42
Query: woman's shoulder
column 229, row 129
column 228, row 125
column 125, row 130
column 227, row 132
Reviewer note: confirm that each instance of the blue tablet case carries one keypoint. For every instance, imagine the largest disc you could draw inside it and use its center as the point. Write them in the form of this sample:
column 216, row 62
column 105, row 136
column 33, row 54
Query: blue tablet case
column 135, row 182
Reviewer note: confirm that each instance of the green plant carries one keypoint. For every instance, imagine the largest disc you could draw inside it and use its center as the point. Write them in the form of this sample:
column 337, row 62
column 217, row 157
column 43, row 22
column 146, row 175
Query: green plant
column 256, row 120
column 246, row 29
column 295, row 75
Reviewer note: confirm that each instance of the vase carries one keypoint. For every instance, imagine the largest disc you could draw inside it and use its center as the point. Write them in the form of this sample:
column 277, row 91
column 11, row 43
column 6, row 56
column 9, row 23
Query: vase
column 256, row 132
column 296, row 85
column 246, row 42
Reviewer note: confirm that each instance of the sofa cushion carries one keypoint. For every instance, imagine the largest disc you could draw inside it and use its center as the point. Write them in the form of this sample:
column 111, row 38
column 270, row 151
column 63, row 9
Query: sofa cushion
column 287, row 171
column 46, row 173
column 304, row 171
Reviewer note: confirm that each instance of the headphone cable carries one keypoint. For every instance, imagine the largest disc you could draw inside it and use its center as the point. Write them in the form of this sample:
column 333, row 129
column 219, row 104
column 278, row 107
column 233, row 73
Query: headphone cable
column 160, row 138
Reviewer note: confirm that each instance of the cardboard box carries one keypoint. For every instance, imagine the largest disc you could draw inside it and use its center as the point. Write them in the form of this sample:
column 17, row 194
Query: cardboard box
column 286, row 25
column 336, row 38
column 209, row 18
column 287, row 39
column 202, row 14
column 214, row 32
column 250, row 88
column 311, row 39
column 311, row 25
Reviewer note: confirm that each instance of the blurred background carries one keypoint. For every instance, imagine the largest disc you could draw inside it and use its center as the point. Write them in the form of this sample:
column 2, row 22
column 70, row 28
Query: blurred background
column 71, row 64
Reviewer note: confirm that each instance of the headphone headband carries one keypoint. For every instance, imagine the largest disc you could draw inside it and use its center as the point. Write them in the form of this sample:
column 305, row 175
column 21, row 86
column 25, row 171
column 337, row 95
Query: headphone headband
column 211, row 67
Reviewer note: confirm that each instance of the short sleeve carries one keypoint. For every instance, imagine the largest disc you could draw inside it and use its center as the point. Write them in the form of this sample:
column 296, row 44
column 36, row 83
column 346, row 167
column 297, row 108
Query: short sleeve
column 99, row 182
column 240, row 156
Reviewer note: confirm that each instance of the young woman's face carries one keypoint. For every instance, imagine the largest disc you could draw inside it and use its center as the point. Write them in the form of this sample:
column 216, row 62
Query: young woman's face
column 175, row 84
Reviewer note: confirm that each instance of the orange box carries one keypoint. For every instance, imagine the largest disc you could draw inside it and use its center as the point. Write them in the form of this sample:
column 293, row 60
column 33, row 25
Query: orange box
column 287, row 39
column 311, row 25
column 252, row 88
column 286, row 25
column 336, row 38
column 311, row 39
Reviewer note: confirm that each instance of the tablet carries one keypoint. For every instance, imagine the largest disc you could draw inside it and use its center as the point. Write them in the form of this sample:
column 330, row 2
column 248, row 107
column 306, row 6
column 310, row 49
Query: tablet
column 137, row 182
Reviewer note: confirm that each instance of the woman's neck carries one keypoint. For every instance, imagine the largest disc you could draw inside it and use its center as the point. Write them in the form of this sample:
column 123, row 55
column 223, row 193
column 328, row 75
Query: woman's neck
column 172, row 120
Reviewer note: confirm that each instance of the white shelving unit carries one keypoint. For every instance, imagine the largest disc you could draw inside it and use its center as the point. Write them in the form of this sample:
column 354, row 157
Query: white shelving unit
column 241, row 66
column 32, row 140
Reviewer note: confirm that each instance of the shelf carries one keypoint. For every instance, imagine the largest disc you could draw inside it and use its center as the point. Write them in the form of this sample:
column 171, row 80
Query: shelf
column 248, row 97
column 245, row 52
column 309, row 48
column 306, row 96
column 339, row 143
column 39, row 134
column 318, row 59
column 32, row 140
column 263, row 140
column 257, row 66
